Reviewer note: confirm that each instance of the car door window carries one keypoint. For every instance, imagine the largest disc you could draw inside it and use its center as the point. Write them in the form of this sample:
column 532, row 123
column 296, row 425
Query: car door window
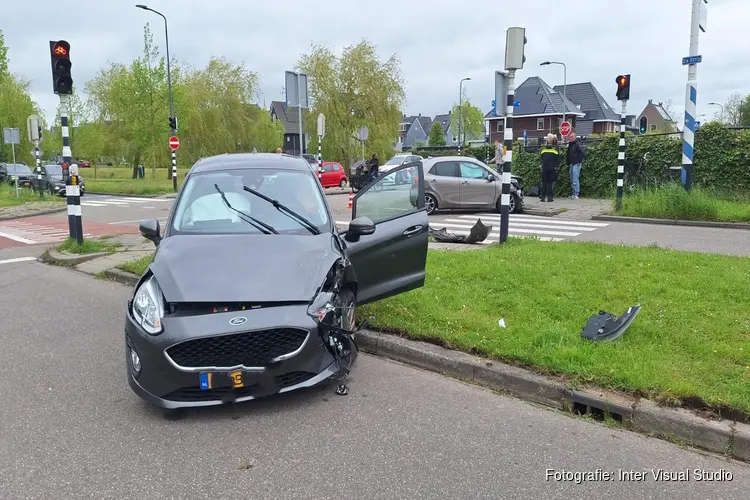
column 385, row 200
column 472, row 171
column 336, row 168
column 327, row 168
column 444, row 169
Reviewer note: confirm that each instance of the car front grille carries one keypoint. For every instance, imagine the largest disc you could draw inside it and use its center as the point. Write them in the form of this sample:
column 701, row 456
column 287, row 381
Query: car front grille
column 251, row 349
column 195, row 394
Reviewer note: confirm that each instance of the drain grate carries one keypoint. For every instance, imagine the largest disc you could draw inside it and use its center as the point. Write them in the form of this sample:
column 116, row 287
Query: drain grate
column 595, row 413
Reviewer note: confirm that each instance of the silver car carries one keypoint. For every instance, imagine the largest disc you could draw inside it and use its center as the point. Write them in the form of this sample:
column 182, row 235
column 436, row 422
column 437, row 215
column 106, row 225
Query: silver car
column 462, row 182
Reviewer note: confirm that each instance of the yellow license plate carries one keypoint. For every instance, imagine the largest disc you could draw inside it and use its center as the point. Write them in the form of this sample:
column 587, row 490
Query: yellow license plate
column 236, row 377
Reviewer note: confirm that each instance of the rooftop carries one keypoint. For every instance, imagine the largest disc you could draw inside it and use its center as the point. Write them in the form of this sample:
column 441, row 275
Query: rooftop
column 234, row 161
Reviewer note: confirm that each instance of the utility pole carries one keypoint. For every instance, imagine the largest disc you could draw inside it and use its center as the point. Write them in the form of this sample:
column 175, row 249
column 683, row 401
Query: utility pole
column 623, row 94
column 697, row 24
column 460, row 110
column 515, row 41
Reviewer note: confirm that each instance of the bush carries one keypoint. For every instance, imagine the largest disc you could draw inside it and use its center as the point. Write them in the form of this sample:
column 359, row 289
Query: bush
column 673, row 202
column 722, row 160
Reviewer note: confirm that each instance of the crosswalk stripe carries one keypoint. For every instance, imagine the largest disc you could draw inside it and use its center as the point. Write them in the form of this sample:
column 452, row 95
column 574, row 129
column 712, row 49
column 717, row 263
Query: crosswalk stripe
column 541, row 220
column 514, row 223
column 511, row 229
column 16, row 238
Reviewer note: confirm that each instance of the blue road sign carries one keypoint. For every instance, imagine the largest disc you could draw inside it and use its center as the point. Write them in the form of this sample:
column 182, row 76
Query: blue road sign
column 493, row 104
column 516, row 104
column 692, row 60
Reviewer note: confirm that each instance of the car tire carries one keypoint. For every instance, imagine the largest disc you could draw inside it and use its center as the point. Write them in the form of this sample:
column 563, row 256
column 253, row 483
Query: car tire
column 430, row 204
column 348, row 301
column 342, row 184
column 515, row 204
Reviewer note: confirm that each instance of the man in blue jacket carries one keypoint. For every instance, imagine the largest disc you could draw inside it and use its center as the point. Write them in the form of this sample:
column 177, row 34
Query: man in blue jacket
column 574, row 157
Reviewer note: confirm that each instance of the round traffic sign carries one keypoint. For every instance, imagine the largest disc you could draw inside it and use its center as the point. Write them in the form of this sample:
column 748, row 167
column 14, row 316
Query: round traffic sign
column 565, row 128
column 174, row 142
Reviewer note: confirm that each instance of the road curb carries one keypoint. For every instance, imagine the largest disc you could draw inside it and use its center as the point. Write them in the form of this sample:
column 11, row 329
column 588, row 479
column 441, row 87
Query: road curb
column 103, row 193
column 336, row 193
column 120, row 276
column 51, row 256
column 675, row 424
column 41, row 212
column 671, row 222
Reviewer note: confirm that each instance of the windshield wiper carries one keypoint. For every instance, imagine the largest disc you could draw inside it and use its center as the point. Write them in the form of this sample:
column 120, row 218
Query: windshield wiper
column 259, row 225
column 286, row 210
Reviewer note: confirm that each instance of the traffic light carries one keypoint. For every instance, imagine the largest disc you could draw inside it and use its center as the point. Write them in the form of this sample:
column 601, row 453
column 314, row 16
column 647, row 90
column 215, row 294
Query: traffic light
column 644, row 124
column 623, row 87
column 173, row 123
column 62, row 82
column 515, row 41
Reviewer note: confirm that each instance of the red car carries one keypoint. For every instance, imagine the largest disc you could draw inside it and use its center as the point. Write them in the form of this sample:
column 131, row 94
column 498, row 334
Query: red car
column 333, row 175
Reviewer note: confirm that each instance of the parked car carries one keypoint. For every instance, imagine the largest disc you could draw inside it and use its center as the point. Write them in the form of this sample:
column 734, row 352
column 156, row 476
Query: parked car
column 52, row 181
column 84, row 164
column 252, row 290
column 333, row 175
column 9, row 172
column 463, row 182
column 397, row 161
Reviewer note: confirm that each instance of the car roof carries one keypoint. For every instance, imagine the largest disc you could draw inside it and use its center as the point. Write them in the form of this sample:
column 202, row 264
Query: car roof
column 452, row 158
column 230, row 161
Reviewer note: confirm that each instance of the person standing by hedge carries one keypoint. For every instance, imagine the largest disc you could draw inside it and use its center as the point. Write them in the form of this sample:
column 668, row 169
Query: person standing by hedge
column 550, row 157
column 575, row 156
column 499, row 158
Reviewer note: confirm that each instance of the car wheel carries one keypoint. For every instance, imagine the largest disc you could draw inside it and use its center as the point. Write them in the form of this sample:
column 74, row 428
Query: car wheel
column 342, row 184
column 348, row 303
column 515, row 204
column 430, row 203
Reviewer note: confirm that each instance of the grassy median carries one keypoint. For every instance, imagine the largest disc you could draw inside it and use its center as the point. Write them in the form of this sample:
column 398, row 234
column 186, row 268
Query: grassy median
column 673, row 202
column 8, row 197
column 137, row 266
column 691, row 339
column 120, row 180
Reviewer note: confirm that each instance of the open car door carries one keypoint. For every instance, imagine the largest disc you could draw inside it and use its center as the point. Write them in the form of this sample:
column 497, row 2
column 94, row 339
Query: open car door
column 387, row 238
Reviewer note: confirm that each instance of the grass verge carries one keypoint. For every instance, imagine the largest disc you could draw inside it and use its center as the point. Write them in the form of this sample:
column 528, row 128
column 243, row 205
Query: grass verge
column 690, row 344
column 138, row 266
column 673, row 202
column 8, row 197
column 89, row 246
column 131, row 186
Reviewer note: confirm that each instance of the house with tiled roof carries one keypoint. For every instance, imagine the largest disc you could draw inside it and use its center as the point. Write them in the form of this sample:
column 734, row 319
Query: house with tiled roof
column 414, row 129
column 657, row 118
column 599, row 117
column 445, row 122
column 540, row 112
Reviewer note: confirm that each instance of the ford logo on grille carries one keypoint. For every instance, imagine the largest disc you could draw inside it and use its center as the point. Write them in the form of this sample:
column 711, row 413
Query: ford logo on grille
column 238, row 320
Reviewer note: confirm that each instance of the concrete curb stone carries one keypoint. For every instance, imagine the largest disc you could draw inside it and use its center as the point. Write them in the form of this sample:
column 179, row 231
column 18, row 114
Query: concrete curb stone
column 670, row 222
column 54, row 257
column 718, row 436
column 121, row 276
column 34, row 214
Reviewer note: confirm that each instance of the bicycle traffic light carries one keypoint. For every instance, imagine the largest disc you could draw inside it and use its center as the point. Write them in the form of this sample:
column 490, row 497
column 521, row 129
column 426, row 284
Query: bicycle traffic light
column 62, row 82
column 623, row 87
column 173, row 123
column 644, row 124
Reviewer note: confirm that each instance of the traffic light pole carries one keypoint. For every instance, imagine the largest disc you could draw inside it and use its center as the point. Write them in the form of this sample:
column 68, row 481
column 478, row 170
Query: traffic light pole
column 621, row 156
column 507, row 164
column 72, row 188
column 691, row 98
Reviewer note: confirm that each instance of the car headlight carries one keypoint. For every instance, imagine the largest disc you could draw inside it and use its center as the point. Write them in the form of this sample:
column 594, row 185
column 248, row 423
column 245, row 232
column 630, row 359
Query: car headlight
column 321, row 306
column 148, row 307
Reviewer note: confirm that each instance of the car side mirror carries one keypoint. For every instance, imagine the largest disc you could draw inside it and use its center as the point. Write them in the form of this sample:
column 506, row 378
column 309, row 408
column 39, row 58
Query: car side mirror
column 360, row 226
column 151, row 231
column 491, row 178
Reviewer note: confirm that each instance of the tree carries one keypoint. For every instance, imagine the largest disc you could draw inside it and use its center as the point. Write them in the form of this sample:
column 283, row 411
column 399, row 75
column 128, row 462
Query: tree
column 354, row 90
column 437, row 135
column 15, row 107
column 471, row 119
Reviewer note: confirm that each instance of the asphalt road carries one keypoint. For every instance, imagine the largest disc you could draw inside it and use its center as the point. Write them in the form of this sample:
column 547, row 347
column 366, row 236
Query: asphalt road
column 72, row 428
column 112, row 214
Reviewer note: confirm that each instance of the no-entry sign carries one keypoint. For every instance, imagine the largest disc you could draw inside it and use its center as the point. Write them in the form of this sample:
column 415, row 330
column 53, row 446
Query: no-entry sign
column 174, row 142
column 565, row 128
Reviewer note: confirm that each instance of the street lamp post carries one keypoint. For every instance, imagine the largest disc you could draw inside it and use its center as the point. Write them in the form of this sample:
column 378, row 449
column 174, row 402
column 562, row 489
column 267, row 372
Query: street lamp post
column 722, row 109
column 460, row 106
column 172, row 119
column 565, row 85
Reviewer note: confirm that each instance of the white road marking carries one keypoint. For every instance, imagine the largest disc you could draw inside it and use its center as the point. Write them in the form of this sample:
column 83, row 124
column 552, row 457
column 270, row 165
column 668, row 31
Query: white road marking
column 162, row 220
column 16, row 238
column 17, row 259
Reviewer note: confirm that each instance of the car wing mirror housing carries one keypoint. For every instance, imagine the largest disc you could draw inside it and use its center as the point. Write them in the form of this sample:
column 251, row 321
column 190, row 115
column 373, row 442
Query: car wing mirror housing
column 151, row 231
column 360, row 226
column 491, row 178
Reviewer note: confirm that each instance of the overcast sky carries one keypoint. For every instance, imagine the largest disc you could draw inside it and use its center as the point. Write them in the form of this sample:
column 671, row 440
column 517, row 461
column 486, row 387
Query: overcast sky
column 439, row 42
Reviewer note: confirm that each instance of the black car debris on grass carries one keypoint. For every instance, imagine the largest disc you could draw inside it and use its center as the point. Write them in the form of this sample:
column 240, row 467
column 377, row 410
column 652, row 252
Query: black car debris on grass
column 252, row 290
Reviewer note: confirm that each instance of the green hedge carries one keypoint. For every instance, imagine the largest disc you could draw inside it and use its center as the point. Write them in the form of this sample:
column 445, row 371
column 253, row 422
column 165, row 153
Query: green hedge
column 722, row 160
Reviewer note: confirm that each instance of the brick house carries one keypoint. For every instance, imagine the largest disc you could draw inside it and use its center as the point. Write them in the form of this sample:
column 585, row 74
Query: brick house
column 539, row 113
column 599, row 118
column 657, row 118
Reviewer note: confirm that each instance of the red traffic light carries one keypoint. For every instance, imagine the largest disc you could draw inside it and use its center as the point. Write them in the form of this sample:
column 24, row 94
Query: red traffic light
column 621, row 81
column 61, row 49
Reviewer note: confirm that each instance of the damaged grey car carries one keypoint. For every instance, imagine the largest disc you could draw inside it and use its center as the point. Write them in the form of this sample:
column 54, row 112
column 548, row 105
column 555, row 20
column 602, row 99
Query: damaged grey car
column 252, row 289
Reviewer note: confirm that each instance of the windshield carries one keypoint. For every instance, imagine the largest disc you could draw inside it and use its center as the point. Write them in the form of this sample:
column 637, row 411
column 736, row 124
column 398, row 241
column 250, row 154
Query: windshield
column 202, row 210
column 18, row 169
column 396, row 160
column 54, row 170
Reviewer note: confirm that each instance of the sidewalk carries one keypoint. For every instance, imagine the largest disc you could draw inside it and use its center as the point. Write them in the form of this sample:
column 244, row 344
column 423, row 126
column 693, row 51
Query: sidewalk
column 582, row 208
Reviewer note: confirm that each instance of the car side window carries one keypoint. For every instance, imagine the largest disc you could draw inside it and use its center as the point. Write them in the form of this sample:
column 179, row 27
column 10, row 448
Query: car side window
column 385, row 200
column 327, row 168
column 336, row 168
column 472, row 171
column 444, row 169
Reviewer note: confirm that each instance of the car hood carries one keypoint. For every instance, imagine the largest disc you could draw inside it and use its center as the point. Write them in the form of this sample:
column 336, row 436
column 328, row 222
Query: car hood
column 242, row 268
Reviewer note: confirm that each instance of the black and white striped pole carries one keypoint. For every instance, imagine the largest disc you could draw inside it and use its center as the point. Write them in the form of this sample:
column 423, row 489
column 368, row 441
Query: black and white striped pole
column 515, row 40
column 321, row 133
column 34, row 128
column 621, row 157
column 70, row 174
